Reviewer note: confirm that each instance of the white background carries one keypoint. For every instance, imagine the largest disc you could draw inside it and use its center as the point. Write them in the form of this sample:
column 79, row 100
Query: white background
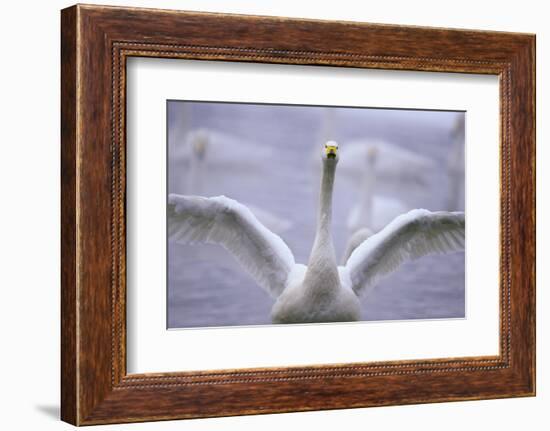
column 151, row 348
column 29, row 231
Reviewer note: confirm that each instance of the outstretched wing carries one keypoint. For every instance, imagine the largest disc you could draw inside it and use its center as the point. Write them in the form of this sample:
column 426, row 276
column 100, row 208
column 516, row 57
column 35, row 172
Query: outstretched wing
column 223, row 221
column 409, row 236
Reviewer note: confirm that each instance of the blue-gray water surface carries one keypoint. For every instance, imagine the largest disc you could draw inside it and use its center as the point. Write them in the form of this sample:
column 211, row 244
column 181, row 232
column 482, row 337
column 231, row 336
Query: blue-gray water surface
column 206, row 287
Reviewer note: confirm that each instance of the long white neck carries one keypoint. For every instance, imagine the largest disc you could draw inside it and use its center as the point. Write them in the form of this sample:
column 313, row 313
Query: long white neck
column 322, row 277
column 368, row 185
column 195, row 177
column 324, row 215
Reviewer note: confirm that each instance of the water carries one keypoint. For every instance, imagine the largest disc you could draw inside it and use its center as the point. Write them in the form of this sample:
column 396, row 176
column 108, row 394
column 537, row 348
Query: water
column 206, row 287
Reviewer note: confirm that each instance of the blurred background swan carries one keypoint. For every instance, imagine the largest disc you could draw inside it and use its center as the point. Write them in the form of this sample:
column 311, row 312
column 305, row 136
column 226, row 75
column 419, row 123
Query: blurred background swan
column 378, row 172
column 278, row 179
column 202, row 158
column 456, row 167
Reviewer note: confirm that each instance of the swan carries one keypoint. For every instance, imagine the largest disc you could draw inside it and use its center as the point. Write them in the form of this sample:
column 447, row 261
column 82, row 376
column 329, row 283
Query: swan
column 320, row 291
column 396, row 168
column 209, row 155
column 456, row 166
column 204, row 155
column 372, row 210
column 355, row 240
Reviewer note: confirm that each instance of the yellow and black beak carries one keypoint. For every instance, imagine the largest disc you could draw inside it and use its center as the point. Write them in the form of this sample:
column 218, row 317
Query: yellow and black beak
column 331, row 150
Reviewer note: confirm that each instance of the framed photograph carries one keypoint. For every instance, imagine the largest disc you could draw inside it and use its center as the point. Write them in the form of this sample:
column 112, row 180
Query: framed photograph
column 264, row 214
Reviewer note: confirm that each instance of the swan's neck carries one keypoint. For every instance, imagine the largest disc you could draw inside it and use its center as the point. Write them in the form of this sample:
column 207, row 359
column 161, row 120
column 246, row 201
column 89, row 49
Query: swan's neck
column 195, row 178
column 324, row 214
column 322, row 277
column 367, row 198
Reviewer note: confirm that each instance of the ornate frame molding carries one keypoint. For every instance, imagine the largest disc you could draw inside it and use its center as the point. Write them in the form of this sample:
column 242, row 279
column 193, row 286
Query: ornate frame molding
column 96, row 41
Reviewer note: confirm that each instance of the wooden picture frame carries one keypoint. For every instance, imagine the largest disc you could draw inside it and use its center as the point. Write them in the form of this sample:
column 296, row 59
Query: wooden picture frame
column 95, row 43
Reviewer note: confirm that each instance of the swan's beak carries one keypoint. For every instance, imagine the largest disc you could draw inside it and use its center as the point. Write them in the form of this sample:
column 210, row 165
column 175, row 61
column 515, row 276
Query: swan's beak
column 331, row 149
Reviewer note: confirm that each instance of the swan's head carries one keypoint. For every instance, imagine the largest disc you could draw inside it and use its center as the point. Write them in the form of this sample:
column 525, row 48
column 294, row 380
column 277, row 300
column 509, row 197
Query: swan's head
column 372, row 155
column 199, row 143
column 330, row 152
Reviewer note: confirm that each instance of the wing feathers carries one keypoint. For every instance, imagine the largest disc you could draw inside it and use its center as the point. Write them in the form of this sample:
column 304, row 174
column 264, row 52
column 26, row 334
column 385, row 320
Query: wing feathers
column 223, row 221
column 409, row 236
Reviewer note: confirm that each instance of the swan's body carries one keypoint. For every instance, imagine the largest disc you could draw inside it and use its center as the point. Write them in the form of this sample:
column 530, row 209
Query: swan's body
column 299, row 304
column 320, row 291
column 396, row 168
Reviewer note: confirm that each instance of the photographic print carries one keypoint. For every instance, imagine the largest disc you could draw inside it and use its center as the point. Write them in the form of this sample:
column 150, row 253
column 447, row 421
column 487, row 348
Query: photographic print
column 239, row 207
column 295, row 214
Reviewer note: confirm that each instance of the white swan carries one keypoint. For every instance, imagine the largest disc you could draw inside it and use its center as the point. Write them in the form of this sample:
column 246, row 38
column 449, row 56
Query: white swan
column 396, row 168
column 320, row 291
column 208, row 156
column 372, row 210
column 456, row 166
column 355, row 239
